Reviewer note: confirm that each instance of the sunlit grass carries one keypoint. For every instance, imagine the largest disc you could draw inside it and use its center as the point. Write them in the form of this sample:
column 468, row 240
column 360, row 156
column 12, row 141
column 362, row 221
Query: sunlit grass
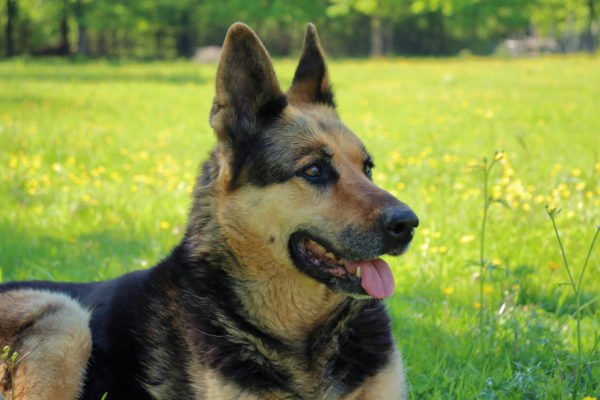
column 97, row 162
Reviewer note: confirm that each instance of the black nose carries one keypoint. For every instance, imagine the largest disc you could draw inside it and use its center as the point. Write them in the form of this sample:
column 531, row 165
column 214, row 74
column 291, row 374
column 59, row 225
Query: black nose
column 399, row 225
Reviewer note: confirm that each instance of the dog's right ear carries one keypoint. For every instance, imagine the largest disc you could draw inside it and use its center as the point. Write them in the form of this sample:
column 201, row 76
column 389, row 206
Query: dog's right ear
column 247, row 90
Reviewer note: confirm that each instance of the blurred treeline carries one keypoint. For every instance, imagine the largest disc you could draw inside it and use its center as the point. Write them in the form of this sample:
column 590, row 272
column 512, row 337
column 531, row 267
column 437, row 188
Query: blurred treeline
column 176, row 28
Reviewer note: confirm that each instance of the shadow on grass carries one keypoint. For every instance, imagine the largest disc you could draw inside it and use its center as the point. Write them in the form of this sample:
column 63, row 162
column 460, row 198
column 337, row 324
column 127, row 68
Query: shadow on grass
column 95, row 256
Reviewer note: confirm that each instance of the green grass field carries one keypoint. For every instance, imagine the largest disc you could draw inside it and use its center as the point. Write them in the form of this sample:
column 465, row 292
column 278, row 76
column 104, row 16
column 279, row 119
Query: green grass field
column 97, row 162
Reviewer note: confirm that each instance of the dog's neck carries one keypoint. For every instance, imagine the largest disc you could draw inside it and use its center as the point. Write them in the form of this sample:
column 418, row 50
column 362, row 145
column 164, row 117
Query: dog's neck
column 286, row 305
column 288, row 308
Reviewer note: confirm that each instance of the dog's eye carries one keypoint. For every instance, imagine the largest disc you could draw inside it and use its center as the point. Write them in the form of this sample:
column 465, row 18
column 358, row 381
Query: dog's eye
column 368, row 170
column 313, row 171
column 318, row 173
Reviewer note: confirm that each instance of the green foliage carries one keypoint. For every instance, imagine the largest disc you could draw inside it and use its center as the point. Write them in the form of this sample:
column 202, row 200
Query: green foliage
column 162, row 29
column 98, row 159
column 11, row 361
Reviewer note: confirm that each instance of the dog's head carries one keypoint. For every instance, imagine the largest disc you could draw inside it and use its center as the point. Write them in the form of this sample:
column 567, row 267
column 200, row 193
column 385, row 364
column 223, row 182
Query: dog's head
column 292, row 183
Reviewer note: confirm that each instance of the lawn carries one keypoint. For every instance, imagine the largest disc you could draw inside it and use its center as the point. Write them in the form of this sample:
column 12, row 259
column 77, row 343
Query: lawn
column 97, row 162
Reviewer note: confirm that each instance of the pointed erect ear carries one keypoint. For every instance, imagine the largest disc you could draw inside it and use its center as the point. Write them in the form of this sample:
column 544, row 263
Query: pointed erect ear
column 311, row 81
column 247, row 91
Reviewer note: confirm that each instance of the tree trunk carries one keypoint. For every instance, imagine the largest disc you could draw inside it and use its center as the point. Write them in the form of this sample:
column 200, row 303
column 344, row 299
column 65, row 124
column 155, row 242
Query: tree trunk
column 183, row 41
column 101, row 44
column 376, row 37
column 64, row 47
column 570, row 40
column 442, row 47
column 82, row 35
column 588, row 36
column 82, row 42
column 389, row 37
column 11, row 11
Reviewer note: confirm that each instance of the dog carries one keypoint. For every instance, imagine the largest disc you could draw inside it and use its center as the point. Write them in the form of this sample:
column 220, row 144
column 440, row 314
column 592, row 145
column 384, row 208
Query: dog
column 275, row 289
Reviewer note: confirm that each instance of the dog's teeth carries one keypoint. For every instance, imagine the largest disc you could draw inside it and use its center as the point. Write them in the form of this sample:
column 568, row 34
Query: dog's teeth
column 358, row 272
column 321, row 249
column 330, row 255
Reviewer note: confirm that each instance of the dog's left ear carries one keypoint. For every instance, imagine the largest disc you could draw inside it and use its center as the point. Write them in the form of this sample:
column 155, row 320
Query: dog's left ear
column 311, row 81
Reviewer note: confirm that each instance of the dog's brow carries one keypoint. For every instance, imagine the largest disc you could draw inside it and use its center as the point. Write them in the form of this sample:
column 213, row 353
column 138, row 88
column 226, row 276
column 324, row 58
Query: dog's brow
column 326, row 152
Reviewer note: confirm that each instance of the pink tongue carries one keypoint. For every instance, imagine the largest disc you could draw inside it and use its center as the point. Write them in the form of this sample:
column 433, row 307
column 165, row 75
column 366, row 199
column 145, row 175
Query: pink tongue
column 377, row 278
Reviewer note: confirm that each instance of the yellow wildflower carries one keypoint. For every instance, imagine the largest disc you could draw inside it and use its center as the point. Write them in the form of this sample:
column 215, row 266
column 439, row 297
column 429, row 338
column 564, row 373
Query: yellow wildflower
column 380, row 177
column 576, row 172
column 477, row 305
column 570, row 214
column 553, row 265
column 164, row 225
column 466, row 239
column 448, row 291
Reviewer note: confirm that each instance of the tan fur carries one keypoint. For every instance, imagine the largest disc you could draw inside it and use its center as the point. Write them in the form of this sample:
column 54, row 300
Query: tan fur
column 50, row 332
column 389, row 384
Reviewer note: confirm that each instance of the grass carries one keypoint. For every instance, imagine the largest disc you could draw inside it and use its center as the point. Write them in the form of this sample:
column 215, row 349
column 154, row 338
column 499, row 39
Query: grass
column 97, row 161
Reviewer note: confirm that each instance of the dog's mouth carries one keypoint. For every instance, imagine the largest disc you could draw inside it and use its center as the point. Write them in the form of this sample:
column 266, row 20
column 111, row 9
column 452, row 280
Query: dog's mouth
column 357, row 278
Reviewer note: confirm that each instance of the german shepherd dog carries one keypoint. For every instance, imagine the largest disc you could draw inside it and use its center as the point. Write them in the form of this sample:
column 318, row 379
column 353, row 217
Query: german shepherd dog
column 275, row 290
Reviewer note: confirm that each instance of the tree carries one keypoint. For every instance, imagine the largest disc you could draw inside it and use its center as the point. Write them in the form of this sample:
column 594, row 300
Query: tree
column 588, row 36
column 382, row 13
column 79, row 10
column 11, row 14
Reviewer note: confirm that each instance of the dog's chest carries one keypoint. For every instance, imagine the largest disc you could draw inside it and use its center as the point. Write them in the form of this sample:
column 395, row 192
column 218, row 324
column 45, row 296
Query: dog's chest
column 330, row 368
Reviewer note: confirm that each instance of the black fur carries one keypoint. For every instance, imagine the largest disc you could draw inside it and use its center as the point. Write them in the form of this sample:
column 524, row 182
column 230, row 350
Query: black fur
column 136, row 313
column 248, row 141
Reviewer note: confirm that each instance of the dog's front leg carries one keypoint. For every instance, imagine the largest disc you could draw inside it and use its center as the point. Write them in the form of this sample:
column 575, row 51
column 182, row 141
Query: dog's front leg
column 388, row 384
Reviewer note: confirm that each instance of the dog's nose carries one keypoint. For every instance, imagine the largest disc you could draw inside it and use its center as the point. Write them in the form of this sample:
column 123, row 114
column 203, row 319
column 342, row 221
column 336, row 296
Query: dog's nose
column 399, row 225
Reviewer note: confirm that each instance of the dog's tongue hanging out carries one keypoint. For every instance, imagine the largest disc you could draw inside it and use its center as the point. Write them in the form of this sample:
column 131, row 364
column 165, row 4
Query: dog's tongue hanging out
column 377, row 278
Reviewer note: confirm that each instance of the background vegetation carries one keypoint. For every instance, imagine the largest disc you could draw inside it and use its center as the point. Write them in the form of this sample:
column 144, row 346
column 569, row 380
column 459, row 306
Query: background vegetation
column 98, row 159
column 98, row 155
column 175, row 28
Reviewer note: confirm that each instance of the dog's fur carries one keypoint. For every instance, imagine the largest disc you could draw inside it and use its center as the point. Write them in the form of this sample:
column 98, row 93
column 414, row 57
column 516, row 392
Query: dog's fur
column 236, row 311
